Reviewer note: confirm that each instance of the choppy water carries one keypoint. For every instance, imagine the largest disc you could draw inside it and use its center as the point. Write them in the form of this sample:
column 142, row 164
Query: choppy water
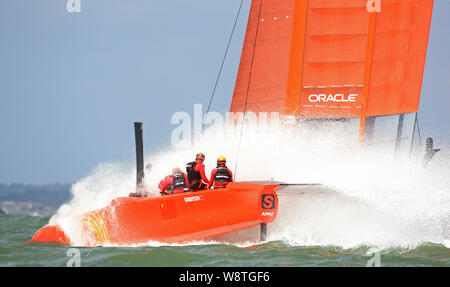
column 16, row 229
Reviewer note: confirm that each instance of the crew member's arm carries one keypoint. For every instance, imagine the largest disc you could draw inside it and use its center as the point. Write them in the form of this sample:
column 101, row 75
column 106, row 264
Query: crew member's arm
column 165, row 182
column 213, row 173
column 201, row 168
column 187, row 183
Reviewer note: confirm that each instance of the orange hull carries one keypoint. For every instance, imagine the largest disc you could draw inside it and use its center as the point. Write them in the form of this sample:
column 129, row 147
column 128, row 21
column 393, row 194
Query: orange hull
column 175, row 218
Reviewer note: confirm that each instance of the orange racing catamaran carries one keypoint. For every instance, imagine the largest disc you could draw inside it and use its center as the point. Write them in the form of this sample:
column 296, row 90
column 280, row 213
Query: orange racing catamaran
column 315, row 60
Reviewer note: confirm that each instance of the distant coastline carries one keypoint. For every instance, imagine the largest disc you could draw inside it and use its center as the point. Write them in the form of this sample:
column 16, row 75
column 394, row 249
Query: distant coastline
column 45, row 199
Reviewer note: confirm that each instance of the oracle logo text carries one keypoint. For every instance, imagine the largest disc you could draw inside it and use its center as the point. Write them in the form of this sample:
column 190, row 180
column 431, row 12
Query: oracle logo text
column 335, row 98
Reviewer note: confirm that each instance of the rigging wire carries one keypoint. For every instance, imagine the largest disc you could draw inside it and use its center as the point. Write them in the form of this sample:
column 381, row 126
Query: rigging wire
column 222, row 64
column 248, row 88
column 416, row 126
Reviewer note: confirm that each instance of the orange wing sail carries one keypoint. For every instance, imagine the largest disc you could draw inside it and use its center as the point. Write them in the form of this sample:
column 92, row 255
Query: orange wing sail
column 327, row 59
column 263, row 71
column 333, row 59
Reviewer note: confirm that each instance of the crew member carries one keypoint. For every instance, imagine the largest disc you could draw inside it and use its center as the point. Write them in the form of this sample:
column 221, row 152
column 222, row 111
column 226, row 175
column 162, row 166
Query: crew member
column 196, row 173
column 221, row 175
column 177, row 182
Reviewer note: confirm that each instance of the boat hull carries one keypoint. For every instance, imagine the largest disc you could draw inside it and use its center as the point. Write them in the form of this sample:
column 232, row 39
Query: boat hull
column 175, row 218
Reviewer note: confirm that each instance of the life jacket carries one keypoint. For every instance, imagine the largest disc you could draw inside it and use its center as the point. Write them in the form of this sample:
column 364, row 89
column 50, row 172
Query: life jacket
column 193, row 175
column 179, row 182
column 222, row 177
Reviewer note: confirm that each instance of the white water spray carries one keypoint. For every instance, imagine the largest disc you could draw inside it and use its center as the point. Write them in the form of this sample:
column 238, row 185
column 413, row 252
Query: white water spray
column 381, row 200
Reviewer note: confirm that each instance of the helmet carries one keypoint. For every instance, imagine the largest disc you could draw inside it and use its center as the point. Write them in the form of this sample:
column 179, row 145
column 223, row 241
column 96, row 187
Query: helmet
column 221, row 160
column 200, row 156
column 176, row 170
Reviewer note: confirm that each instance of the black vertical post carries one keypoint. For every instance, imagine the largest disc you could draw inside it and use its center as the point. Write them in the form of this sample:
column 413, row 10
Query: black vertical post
column 369, row 130
column 139, row 156
column 263, row 232
column 398, row 140
column 413, row 135
column 430, row 151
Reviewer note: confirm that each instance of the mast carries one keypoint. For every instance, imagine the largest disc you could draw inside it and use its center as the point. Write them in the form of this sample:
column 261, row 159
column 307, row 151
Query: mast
column 139, row 157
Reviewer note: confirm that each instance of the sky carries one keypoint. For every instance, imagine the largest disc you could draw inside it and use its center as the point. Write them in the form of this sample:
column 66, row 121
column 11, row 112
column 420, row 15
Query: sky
column 72, row 84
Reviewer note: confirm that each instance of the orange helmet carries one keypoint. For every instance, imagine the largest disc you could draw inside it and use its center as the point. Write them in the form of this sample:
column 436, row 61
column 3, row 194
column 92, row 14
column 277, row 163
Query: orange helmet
column 200, row 156
column 221, row 160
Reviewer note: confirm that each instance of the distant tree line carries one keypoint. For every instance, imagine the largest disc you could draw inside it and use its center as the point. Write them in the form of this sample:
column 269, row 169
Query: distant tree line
column 52, row 195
